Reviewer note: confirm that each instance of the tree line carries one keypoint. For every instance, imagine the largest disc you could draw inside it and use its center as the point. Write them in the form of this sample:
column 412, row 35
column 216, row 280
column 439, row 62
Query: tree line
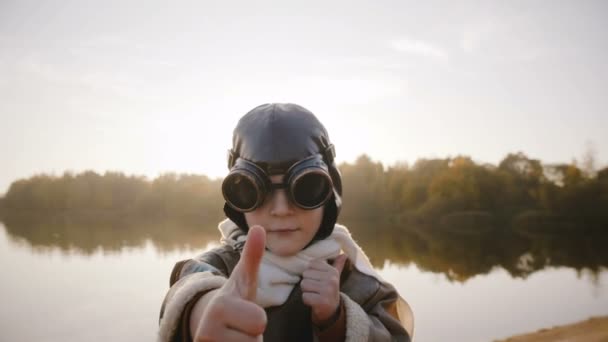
column 456, row 189
column 452, row 215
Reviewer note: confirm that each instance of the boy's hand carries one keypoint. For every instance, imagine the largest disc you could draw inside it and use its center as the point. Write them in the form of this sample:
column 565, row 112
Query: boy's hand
column 231, row 314
column 321, row 288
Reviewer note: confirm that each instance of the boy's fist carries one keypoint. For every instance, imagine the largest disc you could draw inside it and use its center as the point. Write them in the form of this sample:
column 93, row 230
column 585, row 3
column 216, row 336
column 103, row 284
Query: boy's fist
column 321, row 288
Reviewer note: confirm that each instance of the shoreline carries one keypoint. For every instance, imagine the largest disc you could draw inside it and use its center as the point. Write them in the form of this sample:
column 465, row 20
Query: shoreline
column 594, row 329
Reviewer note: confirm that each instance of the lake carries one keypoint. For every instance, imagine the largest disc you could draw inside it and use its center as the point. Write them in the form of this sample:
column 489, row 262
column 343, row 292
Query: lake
column 57, row 287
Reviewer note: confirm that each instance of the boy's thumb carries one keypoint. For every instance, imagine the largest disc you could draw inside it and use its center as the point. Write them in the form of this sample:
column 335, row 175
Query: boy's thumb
column 339, row 262
column 249, row 264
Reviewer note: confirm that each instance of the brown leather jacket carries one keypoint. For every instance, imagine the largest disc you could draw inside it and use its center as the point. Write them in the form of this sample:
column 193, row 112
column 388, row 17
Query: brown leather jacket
column 374, row 310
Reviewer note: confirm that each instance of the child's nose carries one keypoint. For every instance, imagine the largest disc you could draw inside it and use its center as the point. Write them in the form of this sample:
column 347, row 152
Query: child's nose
column 280, row 205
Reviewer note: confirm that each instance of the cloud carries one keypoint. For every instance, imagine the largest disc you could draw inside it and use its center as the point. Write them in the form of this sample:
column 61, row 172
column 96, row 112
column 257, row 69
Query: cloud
column 419, row 47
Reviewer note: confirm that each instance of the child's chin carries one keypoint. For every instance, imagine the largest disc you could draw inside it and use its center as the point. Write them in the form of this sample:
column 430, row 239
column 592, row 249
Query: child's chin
column 282, row 251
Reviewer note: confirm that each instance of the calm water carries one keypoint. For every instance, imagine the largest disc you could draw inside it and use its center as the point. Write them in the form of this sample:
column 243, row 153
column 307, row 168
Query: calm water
column 64, row 292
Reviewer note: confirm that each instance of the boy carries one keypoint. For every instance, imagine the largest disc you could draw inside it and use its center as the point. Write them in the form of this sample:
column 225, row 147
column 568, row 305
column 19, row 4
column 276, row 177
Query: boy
column 279, row 273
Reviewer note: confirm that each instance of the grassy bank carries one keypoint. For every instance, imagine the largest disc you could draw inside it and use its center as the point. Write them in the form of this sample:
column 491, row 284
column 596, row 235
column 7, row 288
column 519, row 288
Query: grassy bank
column 594, row 329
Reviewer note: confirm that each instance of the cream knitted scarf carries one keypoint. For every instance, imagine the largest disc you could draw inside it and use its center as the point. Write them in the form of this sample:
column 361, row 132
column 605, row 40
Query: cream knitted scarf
column 278, row 275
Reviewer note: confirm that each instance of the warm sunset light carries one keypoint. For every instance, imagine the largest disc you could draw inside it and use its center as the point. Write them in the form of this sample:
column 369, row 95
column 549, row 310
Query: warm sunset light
column 468, row 197
column 106, row 87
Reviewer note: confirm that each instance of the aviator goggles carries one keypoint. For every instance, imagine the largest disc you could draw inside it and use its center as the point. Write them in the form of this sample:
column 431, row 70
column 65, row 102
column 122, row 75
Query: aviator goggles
column 307, row 182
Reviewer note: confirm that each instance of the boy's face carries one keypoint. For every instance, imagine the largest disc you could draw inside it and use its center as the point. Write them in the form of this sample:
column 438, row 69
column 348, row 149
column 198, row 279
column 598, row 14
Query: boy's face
column 289, row 228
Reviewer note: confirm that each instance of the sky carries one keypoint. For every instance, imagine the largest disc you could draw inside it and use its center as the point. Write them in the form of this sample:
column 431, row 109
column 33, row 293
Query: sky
column 152, row 87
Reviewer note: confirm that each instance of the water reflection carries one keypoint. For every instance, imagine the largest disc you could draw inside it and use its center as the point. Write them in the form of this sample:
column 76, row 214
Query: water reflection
column 459, row 250
column 83, row 235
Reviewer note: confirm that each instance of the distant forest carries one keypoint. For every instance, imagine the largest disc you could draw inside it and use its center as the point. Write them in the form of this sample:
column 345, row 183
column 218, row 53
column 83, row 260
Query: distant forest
column 450, row 216
column 429, row 191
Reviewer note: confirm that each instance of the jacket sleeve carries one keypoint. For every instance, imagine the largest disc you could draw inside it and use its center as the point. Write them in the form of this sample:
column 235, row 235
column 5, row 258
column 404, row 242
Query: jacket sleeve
column 189, row 281
column 374, row 310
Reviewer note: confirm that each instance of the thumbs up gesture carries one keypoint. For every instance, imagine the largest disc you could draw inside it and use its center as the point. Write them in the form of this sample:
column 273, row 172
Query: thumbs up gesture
column 229, row 313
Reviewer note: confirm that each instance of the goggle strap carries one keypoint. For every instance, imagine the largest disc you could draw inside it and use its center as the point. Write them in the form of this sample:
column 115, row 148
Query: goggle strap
column 232, row 156
column 330, row 153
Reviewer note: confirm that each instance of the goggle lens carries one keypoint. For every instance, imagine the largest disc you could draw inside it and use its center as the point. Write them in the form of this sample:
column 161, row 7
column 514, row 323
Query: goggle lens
column 311, row 190
column 240, row 191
